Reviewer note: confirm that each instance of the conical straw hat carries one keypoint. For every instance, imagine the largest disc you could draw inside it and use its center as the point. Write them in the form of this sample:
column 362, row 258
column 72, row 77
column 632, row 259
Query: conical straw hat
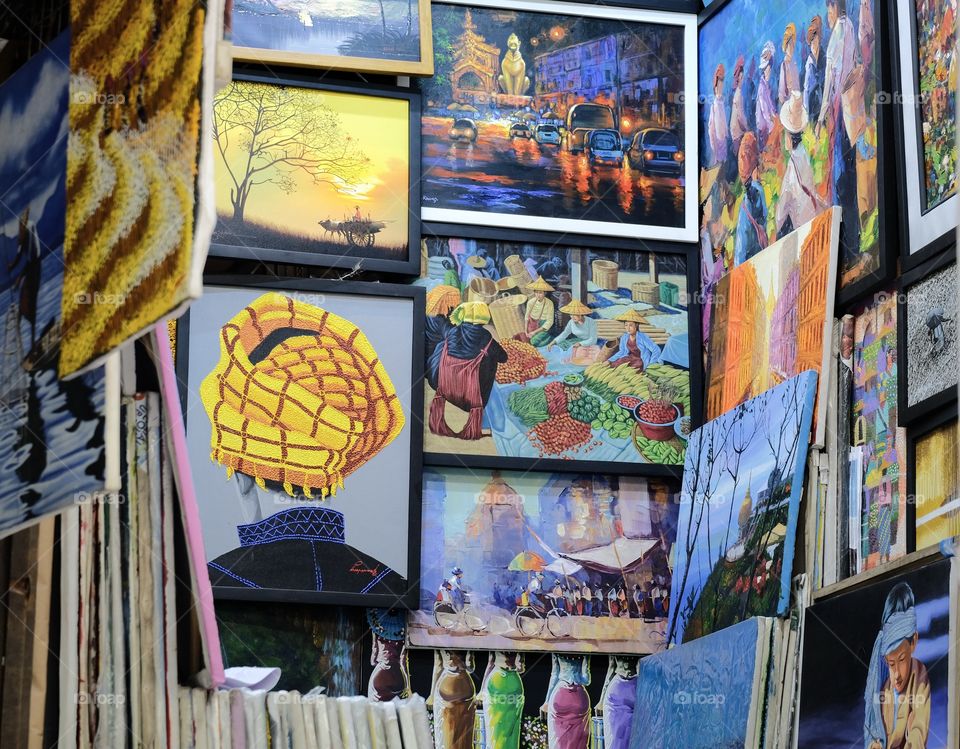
column 631, row 315
column 575, row 307
column 539, row 285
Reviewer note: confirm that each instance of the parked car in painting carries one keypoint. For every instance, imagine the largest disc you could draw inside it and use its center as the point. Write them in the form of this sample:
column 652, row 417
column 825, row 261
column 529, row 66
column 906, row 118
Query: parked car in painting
column 547, row 135
column 464, row 130
column 605, row 147
column 583, row 119
column 520, row 130
column 656, row 149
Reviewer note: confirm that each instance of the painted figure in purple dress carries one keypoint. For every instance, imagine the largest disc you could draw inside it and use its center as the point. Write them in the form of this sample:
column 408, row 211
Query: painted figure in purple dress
column 568, row 704
column 617, row 700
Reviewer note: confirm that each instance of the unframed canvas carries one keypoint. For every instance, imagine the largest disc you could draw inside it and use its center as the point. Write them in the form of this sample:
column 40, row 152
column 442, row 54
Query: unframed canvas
column 739, row 508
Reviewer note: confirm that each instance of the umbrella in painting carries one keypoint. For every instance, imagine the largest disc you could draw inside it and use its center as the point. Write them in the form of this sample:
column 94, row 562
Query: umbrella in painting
column 527, row 561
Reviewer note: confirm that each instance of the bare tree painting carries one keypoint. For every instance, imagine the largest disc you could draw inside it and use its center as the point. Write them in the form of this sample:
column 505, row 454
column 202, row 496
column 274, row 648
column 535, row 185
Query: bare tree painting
column 282, row 132
column 740, row 503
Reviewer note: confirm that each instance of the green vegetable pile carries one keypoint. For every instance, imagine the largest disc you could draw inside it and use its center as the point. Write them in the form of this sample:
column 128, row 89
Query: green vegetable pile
column 530, row 405
column 617, row 421
column 666, row 453
column 586, row 408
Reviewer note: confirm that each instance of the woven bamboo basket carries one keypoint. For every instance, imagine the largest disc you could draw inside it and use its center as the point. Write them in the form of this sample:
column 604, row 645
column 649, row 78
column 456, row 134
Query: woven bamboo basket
column 645, row 291
column 507, row 315
column 608, row 350
column 605, row 274
column 517, row 269
column 481, row 290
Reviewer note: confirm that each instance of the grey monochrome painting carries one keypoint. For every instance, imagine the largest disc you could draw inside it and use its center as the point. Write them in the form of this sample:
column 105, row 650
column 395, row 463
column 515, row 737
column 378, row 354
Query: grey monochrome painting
column 932, row 312
column 299, row 432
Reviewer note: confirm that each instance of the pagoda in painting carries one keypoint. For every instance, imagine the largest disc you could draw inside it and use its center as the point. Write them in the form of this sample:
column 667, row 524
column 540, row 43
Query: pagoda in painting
column 475, row 66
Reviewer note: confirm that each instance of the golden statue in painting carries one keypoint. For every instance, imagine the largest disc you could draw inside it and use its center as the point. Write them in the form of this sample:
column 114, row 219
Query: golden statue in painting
column 514, row 79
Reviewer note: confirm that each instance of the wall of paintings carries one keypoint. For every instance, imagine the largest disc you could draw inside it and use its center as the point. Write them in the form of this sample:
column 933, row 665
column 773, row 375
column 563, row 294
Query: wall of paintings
column 550, row 374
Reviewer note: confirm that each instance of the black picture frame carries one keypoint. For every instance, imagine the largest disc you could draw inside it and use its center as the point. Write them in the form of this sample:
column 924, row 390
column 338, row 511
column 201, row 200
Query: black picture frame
column 410, row 266
column 909, row 415
column 902, row 103
column 315, row 286
column 938, row 420
column 848, row 297
column 438, row 230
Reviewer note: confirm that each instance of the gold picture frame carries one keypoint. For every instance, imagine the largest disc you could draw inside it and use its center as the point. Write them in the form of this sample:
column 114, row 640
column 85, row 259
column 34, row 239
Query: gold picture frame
column 349, row 62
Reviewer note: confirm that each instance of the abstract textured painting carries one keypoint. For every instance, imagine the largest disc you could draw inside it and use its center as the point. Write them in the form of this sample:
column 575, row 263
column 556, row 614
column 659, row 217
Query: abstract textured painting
column 937, row 487
column 739, row 508
column 51, row 431
column 138, row 217
column 932, row 314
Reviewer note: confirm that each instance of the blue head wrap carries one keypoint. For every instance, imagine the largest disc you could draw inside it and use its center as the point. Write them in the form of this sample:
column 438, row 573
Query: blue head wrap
column 899, row 626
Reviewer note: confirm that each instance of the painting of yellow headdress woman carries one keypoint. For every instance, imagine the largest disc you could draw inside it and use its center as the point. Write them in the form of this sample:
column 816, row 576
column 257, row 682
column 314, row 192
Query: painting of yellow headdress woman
column 303, row 404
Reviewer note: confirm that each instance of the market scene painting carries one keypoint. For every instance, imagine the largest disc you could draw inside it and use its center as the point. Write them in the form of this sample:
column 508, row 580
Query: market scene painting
column 537, row 351
column 546, row 117
column 739, row 505
column 314, row 171
column 789, row 127
column 877, row 457
column 936, row 29
column 770, row 318
column 380, row 29
column 544, row 561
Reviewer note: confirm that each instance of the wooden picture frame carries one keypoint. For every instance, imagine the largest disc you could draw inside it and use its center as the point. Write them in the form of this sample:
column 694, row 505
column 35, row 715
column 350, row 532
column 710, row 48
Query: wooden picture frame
column 495, row 237
column 943, row 417
column 337, row 244
column 382, row 303
column 552, row 186
column 340, row 62
column 924, row 231
column 929, row 404
column 851, row 293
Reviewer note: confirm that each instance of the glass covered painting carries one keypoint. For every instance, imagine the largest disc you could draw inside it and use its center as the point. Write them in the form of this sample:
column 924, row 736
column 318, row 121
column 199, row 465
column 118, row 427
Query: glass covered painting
column 937, row 487
column 562, row 117
column 544, row 561
column 553, row 352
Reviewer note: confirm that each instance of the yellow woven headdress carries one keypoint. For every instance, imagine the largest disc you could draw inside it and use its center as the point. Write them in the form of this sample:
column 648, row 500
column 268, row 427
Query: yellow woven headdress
column 299, row 397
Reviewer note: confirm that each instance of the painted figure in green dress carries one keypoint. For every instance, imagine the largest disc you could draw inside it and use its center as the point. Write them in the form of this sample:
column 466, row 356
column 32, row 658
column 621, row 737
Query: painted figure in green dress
column 502, row 697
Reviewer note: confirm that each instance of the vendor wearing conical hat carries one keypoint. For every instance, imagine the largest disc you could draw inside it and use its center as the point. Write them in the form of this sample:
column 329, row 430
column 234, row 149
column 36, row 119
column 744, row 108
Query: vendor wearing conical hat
column 441, row 301
column 581, row 329
column 297, row 402
column 636, row 348
column 538, row 317
column 480, row 264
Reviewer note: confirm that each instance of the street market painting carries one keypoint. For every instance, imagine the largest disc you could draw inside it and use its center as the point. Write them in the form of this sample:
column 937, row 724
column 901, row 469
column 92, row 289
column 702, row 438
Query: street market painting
column 560, row 562
column 771, row 318
column 317, row 174
column 872, row 648
column 301, row 492
column 739, row 507
column 566, row 117
column 925, row 74
column 878, row 454
column 552, row 352
column 52, row 445
column 932, row 315
column 936, row 485
column 790, row 126
column 372, row 36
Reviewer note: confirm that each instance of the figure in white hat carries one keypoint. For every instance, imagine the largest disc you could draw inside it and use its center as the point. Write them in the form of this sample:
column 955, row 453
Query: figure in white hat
column 799, row 201
column 766, row 109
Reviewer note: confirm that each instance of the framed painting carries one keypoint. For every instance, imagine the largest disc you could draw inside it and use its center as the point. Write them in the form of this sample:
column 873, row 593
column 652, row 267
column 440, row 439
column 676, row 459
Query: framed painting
column 390, row 37
column 874, row 647
column 303, row 400
column 541, row 353
column 739, row 507
column 929, row 311
column 933, row 479
column 924, row 35
column 786, row 133
column 878, row 454
column 560, row 562
column 562, row 117
column 51, row 430
column 318, row 174
column 781, row 301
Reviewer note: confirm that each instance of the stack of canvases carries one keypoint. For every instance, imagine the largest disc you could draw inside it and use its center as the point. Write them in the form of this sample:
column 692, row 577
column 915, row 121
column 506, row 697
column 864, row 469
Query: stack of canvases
column 258, row 719
column 119, row 581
